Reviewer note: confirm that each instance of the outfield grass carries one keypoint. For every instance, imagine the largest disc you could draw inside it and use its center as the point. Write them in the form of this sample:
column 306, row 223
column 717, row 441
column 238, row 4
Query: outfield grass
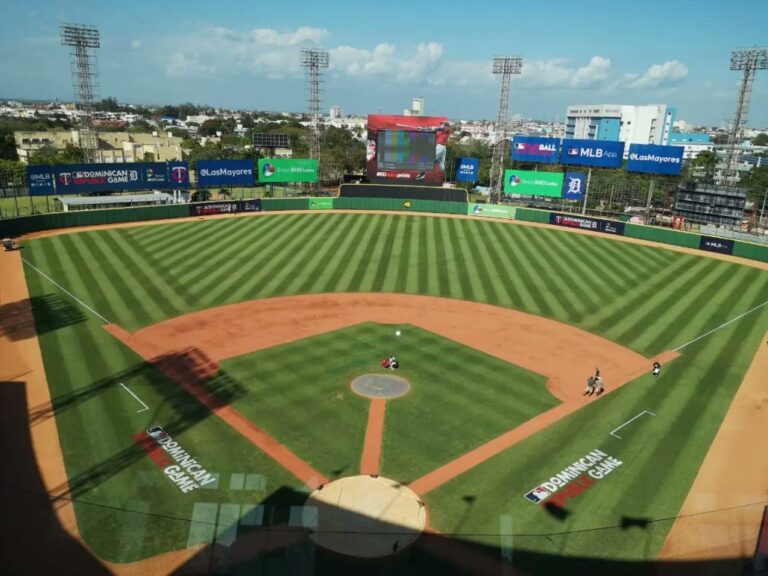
column 307, row 382
column 645, row 298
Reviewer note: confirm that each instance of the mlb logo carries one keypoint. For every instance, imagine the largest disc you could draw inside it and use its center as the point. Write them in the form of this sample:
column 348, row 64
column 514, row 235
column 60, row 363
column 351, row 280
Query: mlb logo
column 537, row 495
column 573, row 151
column 519, row 146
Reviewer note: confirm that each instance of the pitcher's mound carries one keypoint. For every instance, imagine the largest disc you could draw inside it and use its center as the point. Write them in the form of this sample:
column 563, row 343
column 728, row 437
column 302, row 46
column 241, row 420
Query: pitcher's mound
column 364, row 516
column 380, row 386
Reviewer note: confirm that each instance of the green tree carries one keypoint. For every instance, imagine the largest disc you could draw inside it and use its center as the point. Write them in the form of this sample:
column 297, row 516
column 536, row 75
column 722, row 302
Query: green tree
column 107, row 105
column 706, row 161
column 761, row 139
column 756, row 182
column 71, row 154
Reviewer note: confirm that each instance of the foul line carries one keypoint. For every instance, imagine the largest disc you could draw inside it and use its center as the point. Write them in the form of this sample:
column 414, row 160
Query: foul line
column 721, row 326
column 60, row 287
column 137, row 398
column 628, row 421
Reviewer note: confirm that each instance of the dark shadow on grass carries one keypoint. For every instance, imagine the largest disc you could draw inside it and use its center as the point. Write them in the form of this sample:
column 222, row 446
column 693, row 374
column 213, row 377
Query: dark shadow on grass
column 51, row 312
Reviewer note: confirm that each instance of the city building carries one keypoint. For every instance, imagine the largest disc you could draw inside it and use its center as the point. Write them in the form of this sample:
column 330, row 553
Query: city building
column 694, row 143
column 417, row 107
column 706, row 203
column 114, row 147
column 335, row 112
column 651, row 124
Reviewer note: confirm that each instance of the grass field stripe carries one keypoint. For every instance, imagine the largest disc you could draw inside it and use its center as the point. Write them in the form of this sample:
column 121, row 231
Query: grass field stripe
column 352, row 273
column 413, row 251
column 480, row 280
column 139, row 400
column 502, row 256
column 603, row 284
column 456, row 284
column 402, row 254
column 731, row 321
column 234, row 273
column 531, row 282
column 394, row 257
column 613, row 432
column 330, row 277
column 489, row 276
column 433, row 262
column 60, row 287
column 383, row 271
column 378, row 261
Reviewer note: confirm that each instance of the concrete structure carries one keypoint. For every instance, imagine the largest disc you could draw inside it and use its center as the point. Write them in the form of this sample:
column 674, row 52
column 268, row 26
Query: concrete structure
column 651, row 124
column 335, row 112
column 710, row 204
column 416, row 109
column 113, row 147
column 694, row 143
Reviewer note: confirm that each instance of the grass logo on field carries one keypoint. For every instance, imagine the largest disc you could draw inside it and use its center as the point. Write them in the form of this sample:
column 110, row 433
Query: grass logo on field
column 514, row 180
column 268, row 170
column 537, row 494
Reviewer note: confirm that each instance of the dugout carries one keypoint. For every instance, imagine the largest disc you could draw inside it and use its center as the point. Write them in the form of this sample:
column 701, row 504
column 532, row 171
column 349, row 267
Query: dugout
column 403, row 192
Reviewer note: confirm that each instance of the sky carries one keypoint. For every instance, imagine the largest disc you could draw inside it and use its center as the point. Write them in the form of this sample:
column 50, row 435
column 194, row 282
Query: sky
column 245, row 53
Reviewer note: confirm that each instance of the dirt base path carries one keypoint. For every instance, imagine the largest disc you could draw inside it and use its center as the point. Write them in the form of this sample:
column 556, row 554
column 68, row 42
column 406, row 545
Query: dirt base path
column 564, row 354
column 734, row 476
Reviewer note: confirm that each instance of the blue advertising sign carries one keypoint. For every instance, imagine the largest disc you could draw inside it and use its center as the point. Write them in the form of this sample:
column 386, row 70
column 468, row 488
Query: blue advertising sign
column 178, row 174
column 535, row 149
column 655, row 159
column 467, row 169
column 77, row 178
column 602, row 153
column 719, row 245
column 39, row 180
column 574, row 185
column 225, row 173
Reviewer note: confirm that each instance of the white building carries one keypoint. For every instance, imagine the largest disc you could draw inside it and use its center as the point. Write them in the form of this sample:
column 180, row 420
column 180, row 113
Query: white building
column 416, row 109
column 650, row 124
column 335, row 112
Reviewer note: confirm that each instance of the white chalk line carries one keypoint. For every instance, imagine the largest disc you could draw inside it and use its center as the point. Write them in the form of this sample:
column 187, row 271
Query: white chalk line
column 628, row 421
column 739, row 317
column 60, row 287
column 137, row 398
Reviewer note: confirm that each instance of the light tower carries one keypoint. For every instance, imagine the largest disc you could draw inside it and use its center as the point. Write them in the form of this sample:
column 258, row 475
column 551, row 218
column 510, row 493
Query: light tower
column 504, row 66
column 314, row 60
column 82, row 39
column 749, row 60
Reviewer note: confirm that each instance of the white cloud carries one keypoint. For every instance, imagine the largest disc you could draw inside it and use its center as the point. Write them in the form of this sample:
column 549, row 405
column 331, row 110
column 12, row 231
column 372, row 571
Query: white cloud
column 135, row 44
column 659, row 75
column 384, row 59
column 556, row 73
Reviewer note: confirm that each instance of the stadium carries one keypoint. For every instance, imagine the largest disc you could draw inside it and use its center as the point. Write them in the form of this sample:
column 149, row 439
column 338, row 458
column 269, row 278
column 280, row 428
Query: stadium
column 387, row 376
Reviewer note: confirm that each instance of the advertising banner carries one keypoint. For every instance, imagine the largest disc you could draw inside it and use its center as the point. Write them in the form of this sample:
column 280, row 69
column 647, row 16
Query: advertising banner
column 533, row 183
column 78, row 178
column 39, row 180
column 467, row 169
column 406, row 149
column 574, row 185
column 602, row 153
column 225, row 207
column 535, row 149
column 584, row 223
column 225, row 173
column 273, row 170
column 178, row 173
column 719, row 245
column 253, row 205
column 321, row 203
column 655, row 159
column 491, row 211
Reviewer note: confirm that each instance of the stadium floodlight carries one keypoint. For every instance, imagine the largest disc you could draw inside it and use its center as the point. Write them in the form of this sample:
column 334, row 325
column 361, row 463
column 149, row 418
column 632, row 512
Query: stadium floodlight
column 503, row 66
column 749, row 60
column 83, row 39
column 314, row 60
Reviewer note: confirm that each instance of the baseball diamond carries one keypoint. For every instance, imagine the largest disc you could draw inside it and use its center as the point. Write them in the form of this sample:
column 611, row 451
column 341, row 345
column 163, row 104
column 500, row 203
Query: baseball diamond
column 208, row 396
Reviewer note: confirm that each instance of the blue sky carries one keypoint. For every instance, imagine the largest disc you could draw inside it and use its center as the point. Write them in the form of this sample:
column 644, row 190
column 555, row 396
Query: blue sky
column 244, row 53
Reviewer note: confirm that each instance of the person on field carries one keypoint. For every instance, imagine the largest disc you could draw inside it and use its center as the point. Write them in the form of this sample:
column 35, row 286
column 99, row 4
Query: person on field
column 597, row 373
column 393, row 363
column 589, row 390
column 599, row 389
column 656, row 369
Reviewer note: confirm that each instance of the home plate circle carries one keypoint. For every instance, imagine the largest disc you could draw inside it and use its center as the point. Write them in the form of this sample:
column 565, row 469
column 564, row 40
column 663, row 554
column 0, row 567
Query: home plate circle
column 364, row 516
column 380, row 386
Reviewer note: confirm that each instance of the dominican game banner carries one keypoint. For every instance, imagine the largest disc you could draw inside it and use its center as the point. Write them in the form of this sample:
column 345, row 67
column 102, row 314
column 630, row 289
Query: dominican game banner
column 601, row 153
column 78, row 178
column 535, row 149
column 531, row 183
column 654, row 159
column 40, row 180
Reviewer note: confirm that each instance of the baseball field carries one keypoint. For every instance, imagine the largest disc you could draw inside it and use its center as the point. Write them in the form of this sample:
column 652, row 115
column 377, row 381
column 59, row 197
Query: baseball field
column 239, row 338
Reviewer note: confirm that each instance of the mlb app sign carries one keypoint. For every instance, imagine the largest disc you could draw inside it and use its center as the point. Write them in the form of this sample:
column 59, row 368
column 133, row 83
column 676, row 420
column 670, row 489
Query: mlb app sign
column 533, row 183
column 287, row 170
column 655, row 159
column 467, row 169
column 534, row 149
column 39, row 180
column 604, row 154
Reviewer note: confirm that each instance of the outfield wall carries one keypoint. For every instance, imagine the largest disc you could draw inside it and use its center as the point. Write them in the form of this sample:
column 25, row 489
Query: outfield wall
column 13, row 227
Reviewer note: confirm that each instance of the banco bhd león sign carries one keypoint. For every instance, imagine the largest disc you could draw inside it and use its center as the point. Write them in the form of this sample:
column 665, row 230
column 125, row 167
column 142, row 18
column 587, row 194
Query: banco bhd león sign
column 287, row 170
column 531, row 183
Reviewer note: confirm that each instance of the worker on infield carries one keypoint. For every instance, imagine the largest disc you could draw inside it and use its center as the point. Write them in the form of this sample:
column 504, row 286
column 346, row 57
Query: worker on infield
column 599, row 389
column 590, row 389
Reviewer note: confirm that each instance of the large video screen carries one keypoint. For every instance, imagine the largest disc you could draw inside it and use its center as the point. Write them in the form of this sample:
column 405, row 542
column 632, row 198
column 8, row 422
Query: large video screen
column 406, row 150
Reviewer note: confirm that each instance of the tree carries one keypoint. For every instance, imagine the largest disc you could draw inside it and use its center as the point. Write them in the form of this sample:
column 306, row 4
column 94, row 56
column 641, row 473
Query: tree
column 140, row 127
column 706, row 161
column 720, row 139
column 71, row 154
column 107, row 105
column 760, row 140
column 756, row 182
column 200, row 195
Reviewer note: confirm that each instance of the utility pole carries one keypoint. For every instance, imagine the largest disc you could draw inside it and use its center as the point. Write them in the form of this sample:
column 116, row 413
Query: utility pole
column 503, row 66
